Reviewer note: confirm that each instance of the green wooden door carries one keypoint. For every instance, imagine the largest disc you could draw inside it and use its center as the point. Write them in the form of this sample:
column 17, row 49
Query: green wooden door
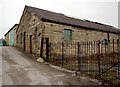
column 11, row 38
column 67, row 34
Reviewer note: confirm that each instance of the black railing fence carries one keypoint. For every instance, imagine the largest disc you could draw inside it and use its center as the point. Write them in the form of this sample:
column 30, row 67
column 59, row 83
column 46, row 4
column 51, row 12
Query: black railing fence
column 98, row 58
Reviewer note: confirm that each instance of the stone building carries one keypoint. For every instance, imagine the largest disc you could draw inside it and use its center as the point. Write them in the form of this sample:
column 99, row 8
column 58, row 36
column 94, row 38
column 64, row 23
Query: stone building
column 10, row 36
column 37, row 23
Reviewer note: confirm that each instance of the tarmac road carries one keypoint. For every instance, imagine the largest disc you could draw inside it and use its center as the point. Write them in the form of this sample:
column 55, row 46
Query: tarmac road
column 19, row 68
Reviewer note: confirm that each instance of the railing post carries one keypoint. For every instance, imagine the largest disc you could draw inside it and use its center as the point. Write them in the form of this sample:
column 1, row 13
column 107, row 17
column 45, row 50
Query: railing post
column 79, row 61
column 105, row 48
column 99, row 57
column 47, row 49
column 113, row 51
column 118, row 57
column 102, row 49
column 41, row 50
column 108, row 47
column 50, row 49
column 62, row 53
column 89, row 50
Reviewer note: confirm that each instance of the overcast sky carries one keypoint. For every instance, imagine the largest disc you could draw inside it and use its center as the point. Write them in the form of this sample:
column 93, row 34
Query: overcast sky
column 103, row 11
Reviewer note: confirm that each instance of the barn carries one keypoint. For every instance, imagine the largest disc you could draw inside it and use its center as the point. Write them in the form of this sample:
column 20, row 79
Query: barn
column 36, row 24
column 10, row 36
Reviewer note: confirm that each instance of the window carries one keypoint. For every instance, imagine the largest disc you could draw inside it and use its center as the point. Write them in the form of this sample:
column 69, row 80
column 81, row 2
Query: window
column 67, row 34
column 21, row 37
column 36, row 35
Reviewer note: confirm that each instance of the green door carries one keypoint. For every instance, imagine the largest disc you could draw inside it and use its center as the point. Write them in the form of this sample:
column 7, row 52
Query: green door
column 11, row 38
column 67, row 34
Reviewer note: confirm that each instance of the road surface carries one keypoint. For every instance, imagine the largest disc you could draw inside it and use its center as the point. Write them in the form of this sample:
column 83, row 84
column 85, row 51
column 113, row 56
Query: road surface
column 19, row 68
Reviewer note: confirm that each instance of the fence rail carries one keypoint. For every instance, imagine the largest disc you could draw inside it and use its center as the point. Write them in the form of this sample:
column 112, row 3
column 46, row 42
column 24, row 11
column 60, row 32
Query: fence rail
column 98, row 58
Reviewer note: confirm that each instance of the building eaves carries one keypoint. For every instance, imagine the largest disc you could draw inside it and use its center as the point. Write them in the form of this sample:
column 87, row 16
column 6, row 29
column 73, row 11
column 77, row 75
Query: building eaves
column 10, row 29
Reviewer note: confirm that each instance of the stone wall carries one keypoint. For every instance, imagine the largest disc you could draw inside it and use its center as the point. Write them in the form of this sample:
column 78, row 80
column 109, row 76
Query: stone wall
column 55, row 32
column 29, row 23
column 7, row 39
column 15, row 35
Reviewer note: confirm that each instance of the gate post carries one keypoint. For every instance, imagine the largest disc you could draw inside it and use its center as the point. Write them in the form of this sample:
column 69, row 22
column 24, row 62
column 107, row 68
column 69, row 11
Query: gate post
column 41, row 50
column 79, row 61
column 47, row 49
column 99, row 57
column 62, row 53
column 118, row 57
column 113, row 51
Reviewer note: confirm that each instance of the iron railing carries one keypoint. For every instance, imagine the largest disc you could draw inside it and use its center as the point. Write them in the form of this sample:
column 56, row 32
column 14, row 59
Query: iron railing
column 97, row 58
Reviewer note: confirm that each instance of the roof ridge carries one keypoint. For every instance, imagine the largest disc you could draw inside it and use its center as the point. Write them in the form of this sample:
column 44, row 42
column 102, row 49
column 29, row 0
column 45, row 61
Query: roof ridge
column 62, row 18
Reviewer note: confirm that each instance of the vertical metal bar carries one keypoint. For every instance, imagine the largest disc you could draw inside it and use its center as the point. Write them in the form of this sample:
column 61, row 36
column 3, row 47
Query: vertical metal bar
column 108, row 47
column 99, row 57
column 50, row 49
column 94, row 58
column 59, row 54
column 87, row 50
column 62, row 53
column 79, row 67
column 71, row 44
column 47, row 49
column 84, row 54
column 118, row 57
column 102, row 54
column 87, row 58
column 94, row 49
column 113, row 51
column 91, row 57
column 82, row 49
column 69, row 54
column 41, row 51
column 102, row 49
column 80, row 55
column 105, row 48
column 75, row 55
column 91, row 49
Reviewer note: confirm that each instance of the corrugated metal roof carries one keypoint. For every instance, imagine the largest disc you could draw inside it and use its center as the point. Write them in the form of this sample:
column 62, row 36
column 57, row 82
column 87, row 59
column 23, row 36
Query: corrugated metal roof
column 57, row 17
